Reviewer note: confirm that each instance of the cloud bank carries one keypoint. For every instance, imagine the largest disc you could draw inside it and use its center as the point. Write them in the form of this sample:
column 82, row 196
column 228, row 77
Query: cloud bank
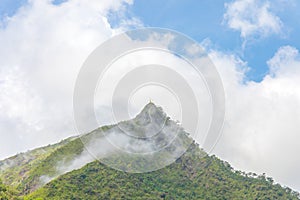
column 262, row 129
column 42, row 48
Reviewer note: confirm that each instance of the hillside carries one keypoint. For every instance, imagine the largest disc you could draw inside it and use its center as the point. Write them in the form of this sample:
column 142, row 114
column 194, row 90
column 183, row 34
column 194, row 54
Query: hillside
column 190, row 177
column 16, row 168
column 66, row 170
column 7, row 192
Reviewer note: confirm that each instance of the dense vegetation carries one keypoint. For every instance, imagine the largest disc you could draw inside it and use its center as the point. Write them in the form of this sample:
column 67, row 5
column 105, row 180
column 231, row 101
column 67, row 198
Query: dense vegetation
column 7, row 193
column 195, row 175
column 190, row 177
column 16, row 168
column 23, row 170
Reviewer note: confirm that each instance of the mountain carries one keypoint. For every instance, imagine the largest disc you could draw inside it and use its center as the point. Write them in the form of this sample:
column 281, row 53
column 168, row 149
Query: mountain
column 67, row 170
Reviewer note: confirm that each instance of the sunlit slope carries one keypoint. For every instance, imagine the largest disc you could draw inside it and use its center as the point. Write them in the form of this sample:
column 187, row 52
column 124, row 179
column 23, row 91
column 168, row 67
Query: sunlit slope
column 14, row 170
column 190, row 177
column 67, row 170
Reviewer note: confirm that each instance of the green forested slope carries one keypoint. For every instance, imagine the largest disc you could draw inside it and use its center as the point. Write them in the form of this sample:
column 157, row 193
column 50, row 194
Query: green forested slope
column 195, row 175
column 190, row 177
column 17, row 171
column 7, row 193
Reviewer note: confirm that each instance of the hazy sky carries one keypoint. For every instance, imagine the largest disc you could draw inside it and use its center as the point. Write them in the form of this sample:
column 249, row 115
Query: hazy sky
column 253, row 43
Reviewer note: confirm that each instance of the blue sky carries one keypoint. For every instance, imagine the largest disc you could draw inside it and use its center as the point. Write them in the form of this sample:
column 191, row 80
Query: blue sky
column 205, row 20
column 8, row 8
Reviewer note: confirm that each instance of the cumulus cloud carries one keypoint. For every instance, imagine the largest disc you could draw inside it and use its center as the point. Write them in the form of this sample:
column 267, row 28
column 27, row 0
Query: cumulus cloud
column 252, row 18
column 261, row 131
column 42, row 48
column 285, row 62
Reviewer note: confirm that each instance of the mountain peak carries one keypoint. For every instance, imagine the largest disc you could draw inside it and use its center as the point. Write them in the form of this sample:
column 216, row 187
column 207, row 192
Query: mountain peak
column 185, row 171
column 147, row 123
column 150, row 113
column 151, row 106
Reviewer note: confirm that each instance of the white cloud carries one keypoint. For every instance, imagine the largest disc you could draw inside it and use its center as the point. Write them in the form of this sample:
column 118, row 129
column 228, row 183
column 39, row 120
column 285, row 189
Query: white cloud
column 261, row 131
column 285, row 62
column 253, row 18
column 41, row 50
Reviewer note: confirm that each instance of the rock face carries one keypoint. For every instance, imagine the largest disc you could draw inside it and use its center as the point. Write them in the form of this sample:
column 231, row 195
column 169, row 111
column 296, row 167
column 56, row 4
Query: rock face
column 148, row 123
column 150, row 137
